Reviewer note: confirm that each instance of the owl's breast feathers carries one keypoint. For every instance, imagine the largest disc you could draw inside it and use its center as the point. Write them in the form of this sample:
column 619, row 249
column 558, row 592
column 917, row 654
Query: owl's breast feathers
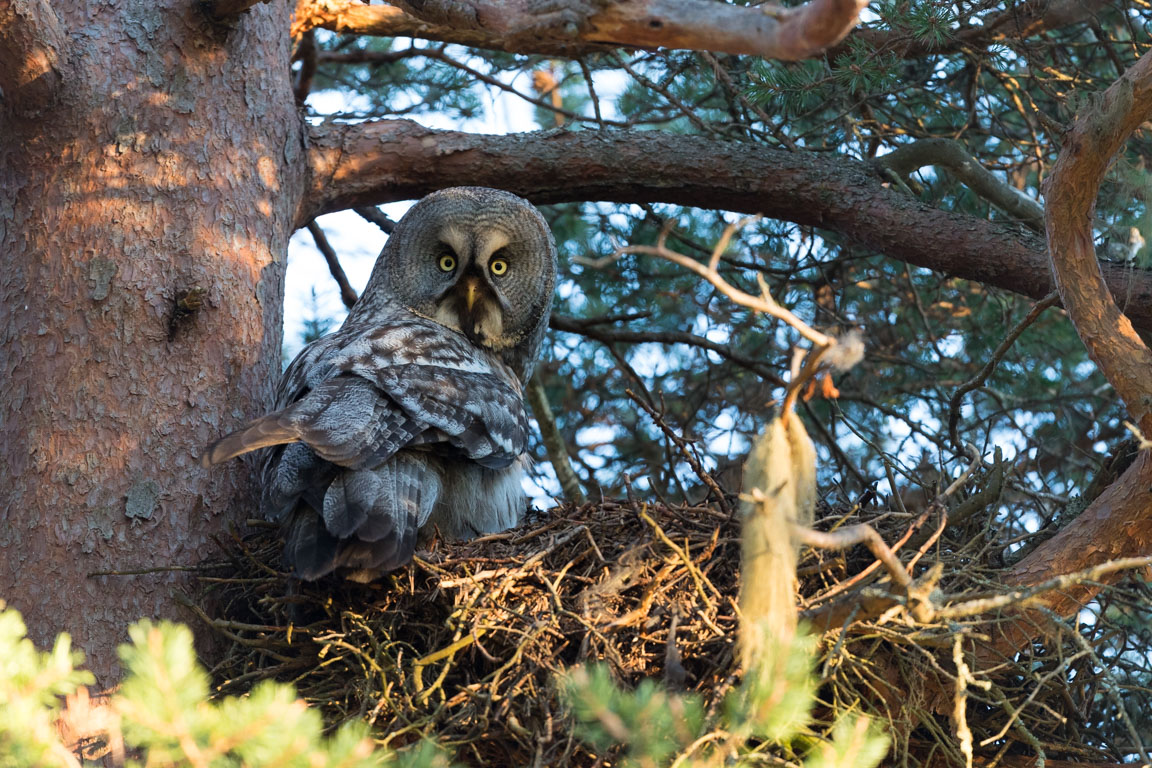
column 374, row 422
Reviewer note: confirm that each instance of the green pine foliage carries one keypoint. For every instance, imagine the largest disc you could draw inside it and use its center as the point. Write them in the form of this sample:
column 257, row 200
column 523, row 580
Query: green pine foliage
column 651, row 723
column 163, row 713
column 31, row 684
column 164, row 716
column 771, row 710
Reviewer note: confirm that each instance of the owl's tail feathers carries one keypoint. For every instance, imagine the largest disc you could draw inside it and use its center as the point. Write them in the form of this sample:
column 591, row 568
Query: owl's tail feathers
column 274, row 429
column 369, row 523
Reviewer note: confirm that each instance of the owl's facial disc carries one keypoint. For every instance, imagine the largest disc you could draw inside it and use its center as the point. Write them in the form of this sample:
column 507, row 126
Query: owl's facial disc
column 472, row 304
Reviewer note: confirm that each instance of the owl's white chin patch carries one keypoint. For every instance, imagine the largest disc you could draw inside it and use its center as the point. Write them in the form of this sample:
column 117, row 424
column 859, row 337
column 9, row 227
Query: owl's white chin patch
column 489, row 329
column 446, row 316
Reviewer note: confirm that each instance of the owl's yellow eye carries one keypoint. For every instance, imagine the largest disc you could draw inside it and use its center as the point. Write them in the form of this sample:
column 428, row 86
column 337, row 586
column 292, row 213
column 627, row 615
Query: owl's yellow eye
column 498, row 266
column 447, row 263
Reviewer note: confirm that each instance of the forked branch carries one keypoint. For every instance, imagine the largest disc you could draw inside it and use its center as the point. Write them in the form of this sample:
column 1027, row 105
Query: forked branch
column 951, row 154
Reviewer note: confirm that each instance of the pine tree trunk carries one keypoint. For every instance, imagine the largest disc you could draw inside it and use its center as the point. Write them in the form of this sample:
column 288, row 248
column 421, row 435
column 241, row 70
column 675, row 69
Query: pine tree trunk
column 162, row 176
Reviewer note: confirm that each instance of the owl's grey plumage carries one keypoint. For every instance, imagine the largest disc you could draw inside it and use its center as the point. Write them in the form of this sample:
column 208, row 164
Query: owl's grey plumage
column 411, row 415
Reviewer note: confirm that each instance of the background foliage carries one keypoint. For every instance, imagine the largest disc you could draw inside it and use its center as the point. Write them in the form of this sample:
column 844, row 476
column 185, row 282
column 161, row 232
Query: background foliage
column 638, row 329
column 712, row 368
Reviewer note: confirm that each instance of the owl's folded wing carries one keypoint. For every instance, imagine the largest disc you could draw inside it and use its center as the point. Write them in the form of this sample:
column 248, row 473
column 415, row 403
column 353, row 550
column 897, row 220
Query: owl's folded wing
column 346, row 421
column 358, row 422
column 476, row 413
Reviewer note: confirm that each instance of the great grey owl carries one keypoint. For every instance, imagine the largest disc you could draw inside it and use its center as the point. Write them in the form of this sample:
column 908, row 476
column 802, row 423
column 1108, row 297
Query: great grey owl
column 411, row 415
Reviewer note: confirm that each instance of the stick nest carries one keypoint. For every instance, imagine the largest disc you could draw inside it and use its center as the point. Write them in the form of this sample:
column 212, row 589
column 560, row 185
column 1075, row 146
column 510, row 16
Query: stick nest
column 465, row 646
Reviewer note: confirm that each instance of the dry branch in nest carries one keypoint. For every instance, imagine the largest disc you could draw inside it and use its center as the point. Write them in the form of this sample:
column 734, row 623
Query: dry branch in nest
column 464, row 646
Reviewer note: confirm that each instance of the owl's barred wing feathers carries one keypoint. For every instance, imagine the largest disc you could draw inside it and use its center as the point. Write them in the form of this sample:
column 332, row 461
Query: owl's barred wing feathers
column 349, row 495
column 344, row 420
column 383, row 397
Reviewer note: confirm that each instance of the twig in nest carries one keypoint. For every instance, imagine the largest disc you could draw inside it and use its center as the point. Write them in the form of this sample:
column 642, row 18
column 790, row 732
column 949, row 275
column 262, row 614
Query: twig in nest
column 850, row 537
column 684, row 447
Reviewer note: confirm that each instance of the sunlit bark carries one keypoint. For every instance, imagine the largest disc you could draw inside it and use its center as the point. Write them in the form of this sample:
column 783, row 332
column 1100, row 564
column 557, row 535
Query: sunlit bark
column 1119, row 522
column 579, row 27
column 144, row 219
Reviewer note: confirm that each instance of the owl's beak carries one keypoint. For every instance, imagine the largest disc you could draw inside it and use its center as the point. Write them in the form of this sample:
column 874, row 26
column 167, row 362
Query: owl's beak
column 471, row 291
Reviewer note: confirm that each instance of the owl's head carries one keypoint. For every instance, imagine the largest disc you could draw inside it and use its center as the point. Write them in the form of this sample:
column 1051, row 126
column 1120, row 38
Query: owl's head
column 479, row 261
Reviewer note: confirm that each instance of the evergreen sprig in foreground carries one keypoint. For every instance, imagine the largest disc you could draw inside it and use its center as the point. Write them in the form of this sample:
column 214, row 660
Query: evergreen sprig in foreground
column 163, row 715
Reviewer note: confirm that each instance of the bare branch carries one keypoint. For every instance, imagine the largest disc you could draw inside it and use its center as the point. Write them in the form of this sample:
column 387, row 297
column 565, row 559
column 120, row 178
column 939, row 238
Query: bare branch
column 767, row 30
column 376, row 216
column 951, row 154
column 307, row 55
column 850, row 537
column 32, row 51
column 581, row 327
column 347, row 292
column 579, row 27
column 993, row 361
column 390, row 160
column 763, row 303
column 554, row 442
column 961, row 608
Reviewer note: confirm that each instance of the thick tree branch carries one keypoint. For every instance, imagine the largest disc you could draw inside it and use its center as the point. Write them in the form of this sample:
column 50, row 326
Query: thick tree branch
column 1070, row 193
column 32, row 51
column 578, row 27
column 1118, row 523
column 386, row 161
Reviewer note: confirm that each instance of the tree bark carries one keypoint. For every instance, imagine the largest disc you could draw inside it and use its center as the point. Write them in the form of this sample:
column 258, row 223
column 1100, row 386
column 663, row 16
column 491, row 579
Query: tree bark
column 389, row 160
column 1071, row 190
column 31, row 69
column 578, row 27
column 144, row 219
column 1119, row 522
